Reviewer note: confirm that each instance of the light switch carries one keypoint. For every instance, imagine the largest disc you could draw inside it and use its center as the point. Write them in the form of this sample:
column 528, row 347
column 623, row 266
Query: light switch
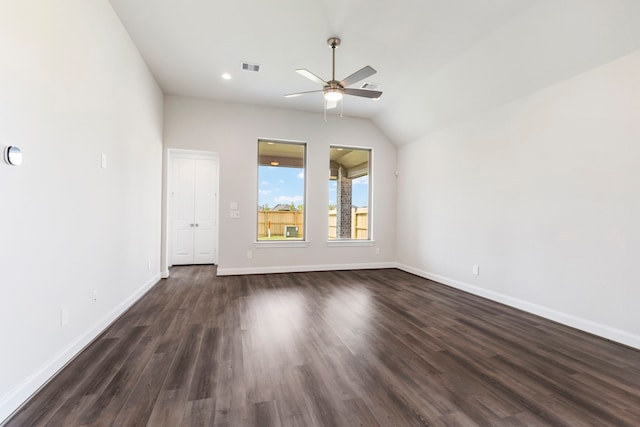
column 233, row 206
column 104, row 161
column 235, row 214
column 64, row 316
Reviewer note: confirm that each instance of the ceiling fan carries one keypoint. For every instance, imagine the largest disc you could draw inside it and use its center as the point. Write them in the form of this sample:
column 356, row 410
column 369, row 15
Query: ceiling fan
column 334, row 89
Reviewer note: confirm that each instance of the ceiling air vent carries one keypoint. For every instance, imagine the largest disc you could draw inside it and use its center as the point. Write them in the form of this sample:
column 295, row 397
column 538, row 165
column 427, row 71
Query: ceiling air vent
column 246, row 66
column 369, row 86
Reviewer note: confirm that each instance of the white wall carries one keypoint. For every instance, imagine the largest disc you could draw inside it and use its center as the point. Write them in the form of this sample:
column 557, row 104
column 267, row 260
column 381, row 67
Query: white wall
column 233, row 130
column 546, row 42
column 542, row 194
column 72, row 86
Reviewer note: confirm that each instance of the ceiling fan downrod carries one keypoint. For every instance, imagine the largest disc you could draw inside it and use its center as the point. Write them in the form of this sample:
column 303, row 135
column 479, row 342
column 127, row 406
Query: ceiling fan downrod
column 334, row 42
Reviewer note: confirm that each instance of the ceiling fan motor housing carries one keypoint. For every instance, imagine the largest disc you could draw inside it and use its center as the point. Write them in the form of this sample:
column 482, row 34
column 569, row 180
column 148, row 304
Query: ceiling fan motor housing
column 333, row 86
column 333, row 91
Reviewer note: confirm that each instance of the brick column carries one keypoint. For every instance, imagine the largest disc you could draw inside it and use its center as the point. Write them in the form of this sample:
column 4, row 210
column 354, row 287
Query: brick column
column 343, row 205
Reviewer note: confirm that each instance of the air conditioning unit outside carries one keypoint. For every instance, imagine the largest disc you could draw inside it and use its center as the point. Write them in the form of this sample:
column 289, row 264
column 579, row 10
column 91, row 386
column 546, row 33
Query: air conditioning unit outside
column 290, row 231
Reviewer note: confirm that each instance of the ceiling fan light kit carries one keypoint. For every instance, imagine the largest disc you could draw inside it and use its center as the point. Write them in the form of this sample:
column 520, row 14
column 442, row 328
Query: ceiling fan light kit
column 333, row 90
column 333, row 94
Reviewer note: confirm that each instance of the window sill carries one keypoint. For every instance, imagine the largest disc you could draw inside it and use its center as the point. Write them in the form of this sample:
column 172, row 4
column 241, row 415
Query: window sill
column 350, row 243
column 281, row 244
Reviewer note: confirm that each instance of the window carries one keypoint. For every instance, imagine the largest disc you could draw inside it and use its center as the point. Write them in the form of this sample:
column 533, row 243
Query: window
column 349, row 193
column 281, row 190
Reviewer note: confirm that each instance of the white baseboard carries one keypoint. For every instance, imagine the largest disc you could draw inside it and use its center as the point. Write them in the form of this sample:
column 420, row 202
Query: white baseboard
column 586, row 325
column 15, row 398
column 303, row 268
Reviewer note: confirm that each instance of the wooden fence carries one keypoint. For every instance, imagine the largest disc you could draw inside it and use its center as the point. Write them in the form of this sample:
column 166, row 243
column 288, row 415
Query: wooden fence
column 359, row 223
column 277, row 220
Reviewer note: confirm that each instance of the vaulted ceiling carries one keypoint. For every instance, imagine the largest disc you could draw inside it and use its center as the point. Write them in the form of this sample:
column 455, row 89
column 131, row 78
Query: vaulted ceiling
column 439, row 62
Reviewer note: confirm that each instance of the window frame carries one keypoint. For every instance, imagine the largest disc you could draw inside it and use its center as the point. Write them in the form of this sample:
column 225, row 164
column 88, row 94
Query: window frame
column 303, row 242
column 369, row 241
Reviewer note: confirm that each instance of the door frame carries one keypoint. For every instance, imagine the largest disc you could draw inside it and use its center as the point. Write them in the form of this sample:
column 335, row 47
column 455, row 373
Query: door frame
column 173, row 153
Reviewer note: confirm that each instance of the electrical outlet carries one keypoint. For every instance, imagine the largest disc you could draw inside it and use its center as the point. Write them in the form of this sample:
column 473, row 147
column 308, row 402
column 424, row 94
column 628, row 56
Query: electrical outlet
column 476, row 270
column 377, row 251
column 249, row 254
column 64, row 316
column 94, row 297
column 148, row 264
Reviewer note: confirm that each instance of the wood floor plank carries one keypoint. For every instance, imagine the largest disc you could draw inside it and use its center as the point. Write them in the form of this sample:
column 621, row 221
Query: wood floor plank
column 181, row 372
column 206, row 371
column 359, row 414
column 38, row 411
column 142, row 399
column 199, row 413
column 337, row 348
column 319, row 399
column 266, row 414
column 91, row 386
column 169, row 409
column 107, row 405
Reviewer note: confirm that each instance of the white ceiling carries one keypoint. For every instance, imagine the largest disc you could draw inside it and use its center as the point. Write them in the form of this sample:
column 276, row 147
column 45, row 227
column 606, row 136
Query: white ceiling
column 439, row 61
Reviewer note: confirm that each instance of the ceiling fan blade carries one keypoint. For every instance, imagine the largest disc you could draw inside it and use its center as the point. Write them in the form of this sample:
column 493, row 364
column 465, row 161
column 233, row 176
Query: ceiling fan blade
column 331, row 104
column 293, row 95
column 361, row 74
column 308, row 74
column 373, row 94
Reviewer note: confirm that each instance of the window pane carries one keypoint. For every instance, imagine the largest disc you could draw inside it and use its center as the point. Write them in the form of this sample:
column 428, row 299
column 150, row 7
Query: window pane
column 281, row 185
column 349, row 207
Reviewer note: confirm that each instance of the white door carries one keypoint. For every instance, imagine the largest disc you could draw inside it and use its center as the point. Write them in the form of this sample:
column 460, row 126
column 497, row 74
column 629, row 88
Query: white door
column 194, row 210
column 205, row 211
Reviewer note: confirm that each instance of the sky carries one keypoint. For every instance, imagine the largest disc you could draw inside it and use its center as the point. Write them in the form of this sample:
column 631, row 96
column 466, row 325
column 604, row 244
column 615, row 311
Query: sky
column 286, row 185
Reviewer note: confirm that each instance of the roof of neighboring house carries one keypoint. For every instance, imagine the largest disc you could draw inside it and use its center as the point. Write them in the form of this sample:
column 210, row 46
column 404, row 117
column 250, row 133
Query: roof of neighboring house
column 281, row 207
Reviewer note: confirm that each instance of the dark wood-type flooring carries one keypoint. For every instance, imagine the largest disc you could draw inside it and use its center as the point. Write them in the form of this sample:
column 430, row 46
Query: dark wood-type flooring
column 352, row 348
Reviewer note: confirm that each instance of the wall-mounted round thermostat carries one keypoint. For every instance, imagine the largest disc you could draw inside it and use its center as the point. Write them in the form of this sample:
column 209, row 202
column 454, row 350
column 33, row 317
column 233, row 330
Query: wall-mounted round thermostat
column 13, row 155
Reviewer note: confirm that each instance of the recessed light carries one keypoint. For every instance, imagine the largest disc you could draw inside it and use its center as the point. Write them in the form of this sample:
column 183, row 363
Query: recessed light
column 226, row 76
